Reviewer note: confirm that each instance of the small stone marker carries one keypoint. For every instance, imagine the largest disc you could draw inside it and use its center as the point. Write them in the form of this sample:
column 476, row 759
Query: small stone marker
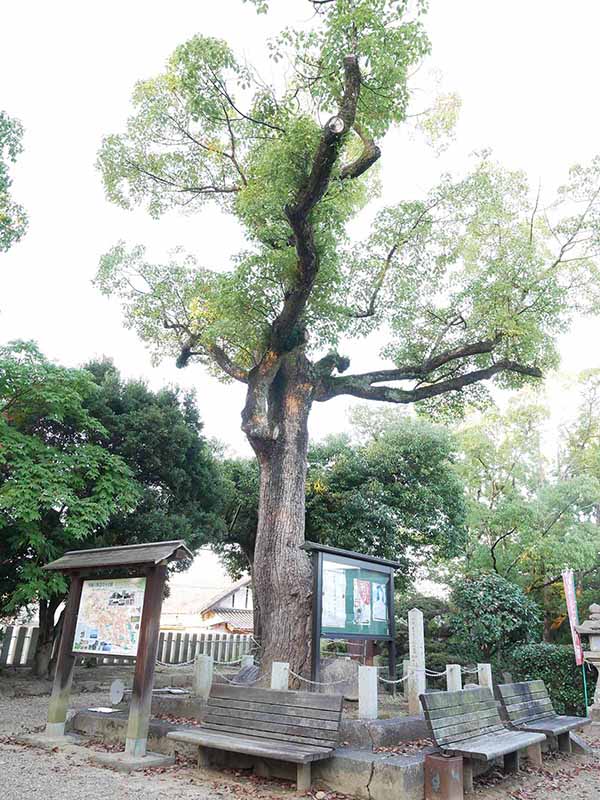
column 417, row 683
column 117, row 691
column 203, row 676
column 367, row 692
column 453, row 678
column 280, row 676
column 248, row 675
column 484, row 675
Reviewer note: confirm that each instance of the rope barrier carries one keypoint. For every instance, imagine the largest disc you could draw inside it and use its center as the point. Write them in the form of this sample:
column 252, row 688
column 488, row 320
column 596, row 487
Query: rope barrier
column 233, row 680
column 386, row 680
column 317, row 683
column 175, row 666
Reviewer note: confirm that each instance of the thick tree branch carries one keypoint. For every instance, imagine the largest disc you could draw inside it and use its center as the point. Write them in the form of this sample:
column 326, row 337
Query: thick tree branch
column 307, row 198
column 370, row 154
column 361, row 386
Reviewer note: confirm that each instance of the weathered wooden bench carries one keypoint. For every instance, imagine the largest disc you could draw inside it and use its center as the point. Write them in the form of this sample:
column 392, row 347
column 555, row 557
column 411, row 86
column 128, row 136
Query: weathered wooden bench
column 528, row 707
column 468, row 724
column 300, row 727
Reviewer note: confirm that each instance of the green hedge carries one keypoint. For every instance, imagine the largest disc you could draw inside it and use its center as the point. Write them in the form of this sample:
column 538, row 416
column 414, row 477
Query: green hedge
column 555, row 665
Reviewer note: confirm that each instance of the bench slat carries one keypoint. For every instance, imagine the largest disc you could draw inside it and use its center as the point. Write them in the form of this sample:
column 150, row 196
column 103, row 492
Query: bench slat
column 275, row 708
column 236, row 728
column 459, row 699
column 273, row 727
column 250, row 746
column 556, row 725
column 461, row 736
column 259, row 718
column 330, row 702
column 474, row 708
column 492, row 746
column 451, row 726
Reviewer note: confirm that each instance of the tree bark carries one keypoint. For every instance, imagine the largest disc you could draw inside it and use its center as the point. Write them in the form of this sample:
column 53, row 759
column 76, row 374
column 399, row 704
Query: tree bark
column 45, row 643
column 282, row 571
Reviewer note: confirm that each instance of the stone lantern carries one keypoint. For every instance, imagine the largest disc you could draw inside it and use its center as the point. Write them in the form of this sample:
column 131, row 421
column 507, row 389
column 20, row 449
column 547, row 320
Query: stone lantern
column 591, row 629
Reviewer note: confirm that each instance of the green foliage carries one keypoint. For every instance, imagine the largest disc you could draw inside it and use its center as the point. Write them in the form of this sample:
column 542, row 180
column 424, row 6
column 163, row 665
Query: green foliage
column 529, row 516
column 394, row 496
column 13, row 219
column 555, row 665
column 57, row 486
column 159, row 436
column 490, row 616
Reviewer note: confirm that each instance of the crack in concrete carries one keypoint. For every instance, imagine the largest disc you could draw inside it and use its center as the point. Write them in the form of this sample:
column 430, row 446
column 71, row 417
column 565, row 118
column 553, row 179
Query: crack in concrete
column 368, row 786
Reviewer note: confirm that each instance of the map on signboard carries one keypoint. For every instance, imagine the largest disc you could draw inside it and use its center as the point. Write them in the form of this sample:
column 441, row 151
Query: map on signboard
column 110, row 613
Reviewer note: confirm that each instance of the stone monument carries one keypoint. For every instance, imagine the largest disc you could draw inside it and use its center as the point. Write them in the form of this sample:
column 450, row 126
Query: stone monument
column 591, row 629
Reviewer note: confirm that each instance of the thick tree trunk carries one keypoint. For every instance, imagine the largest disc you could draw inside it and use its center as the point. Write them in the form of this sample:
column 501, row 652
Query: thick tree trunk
column 282, row 571
column 45, row 643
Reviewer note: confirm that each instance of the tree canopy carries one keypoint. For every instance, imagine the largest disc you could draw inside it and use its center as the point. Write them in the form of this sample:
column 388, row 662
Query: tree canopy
column 159, row 436
column 13, row 219
column 395, row 495
column 57, row 486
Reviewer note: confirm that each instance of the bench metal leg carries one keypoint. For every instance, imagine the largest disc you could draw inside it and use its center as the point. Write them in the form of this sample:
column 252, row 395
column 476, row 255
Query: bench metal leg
column 511, row 762
column 303, row 778
column 468, row 776
column 534, row 755
column 564, row 742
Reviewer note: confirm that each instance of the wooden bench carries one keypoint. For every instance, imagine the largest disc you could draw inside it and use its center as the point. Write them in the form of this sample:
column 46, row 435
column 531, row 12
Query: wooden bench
column 527, row 707
column 467, row 723
column 300, row 727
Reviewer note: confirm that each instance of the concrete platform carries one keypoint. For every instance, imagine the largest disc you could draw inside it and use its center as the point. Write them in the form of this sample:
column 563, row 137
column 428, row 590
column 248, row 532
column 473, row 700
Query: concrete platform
column 123, row 762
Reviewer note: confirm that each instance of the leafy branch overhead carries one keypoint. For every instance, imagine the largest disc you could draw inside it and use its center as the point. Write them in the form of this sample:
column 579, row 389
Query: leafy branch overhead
column 474, row 280
column 13, row 219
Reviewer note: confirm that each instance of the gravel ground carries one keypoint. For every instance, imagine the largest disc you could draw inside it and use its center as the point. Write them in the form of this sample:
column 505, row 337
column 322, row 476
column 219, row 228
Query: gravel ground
column 28, row 772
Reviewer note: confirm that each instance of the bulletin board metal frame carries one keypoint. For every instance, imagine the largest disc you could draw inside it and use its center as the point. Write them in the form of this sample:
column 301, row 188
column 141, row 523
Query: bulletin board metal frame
column 319, row 553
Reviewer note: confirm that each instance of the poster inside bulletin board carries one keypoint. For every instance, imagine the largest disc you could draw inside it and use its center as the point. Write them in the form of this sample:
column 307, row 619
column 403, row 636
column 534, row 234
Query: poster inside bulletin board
column 354, row 600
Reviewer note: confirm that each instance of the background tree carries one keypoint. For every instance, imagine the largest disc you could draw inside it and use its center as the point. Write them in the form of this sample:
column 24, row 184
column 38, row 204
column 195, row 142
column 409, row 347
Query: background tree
column 13, row 219
column 57, row 486
column 471, row 281
column 396, row 496
column 529, row 517
column 159, row 436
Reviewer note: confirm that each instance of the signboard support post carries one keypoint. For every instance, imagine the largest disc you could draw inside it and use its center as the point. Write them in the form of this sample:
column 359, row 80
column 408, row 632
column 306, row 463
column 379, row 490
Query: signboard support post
column 63, row 677
column 143, row 679
column 315, row 671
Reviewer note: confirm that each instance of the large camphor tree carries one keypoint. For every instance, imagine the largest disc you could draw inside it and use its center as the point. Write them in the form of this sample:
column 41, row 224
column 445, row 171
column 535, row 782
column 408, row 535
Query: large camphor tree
column 471, row 282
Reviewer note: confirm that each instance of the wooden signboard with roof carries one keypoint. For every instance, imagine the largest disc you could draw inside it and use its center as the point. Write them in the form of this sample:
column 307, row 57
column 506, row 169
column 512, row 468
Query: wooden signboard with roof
column 119, row 615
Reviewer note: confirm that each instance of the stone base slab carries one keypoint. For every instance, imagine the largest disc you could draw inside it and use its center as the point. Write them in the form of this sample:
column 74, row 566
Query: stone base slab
column 50, row 742
column 123, row 762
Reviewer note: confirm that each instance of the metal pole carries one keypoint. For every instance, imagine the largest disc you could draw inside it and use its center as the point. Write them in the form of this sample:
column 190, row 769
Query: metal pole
column 585, row 691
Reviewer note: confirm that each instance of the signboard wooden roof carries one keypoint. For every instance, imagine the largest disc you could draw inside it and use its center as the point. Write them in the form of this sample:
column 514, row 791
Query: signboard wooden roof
column 150, row 553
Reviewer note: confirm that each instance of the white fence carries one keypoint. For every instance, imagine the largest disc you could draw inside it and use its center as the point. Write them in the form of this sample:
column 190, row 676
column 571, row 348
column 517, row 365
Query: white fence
column 18, row 643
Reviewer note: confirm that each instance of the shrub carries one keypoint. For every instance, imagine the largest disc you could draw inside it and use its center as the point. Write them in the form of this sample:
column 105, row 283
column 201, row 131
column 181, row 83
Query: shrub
column 491, row 616
column 555, row 665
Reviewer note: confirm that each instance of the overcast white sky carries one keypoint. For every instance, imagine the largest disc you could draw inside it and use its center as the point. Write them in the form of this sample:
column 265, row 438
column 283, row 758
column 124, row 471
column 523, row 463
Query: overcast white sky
column 527, row 72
